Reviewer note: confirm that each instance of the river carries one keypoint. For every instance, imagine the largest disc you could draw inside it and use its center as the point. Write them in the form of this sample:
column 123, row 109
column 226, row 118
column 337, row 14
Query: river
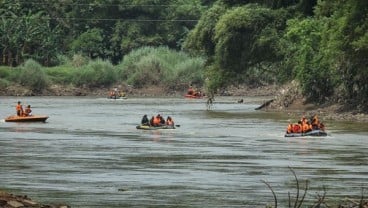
column 90, row 154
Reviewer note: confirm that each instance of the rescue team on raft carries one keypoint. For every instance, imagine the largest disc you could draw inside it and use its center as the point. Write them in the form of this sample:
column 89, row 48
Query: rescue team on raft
column 305, row 125
column 157, row 121
column 23, row 112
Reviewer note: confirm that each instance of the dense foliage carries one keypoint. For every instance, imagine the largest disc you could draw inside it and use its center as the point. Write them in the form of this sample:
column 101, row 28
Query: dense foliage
column 106, row 29
column 321, row 44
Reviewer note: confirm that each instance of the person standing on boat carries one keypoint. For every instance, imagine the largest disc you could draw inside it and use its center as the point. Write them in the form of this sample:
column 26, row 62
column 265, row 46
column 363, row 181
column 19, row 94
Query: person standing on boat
column 145, row 121
column 19, row 109
column 28, row 111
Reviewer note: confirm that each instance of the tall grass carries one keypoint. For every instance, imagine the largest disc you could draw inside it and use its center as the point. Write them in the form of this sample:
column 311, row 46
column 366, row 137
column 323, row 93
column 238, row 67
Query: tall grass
column 32, row 76
column 63, row 74
column 97, row 73
column 160, row 66
column 142, row 67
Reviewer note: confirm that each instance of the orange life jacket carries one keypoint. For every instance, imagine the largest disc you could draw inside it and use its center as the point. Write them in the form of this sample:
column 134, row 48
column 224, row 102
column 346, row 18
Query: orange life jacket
column 305, row 127
column 156, row 120
column 289, row 129
column 297, row 128
column 19, row 107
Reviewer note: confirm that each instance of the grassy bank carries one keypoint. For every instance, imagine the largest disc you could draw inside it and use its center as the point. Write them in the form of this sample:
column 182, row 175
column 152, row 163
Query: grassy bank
column 141, row 68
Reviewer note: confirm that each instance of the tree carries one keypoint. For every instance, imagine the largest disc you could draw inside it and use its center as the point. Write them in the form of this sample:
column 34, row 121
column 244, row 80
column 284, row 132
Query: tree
column 89, row 43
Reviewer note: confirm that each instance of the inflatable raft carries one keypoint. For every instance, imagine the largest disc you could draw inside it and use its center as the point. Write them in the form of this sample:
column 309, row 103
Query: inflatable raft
column 194, row 96
column 315, row 133
column 144, row 127
column 33, row 118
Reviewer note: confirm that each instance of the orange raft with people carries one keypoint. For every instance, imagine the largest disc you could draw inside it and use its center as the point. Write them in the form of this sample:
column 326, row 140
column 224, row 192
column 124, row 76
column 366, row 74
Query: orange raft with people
column 146, row 127
column 191, row 93
column 31, row 118
column 306, row 128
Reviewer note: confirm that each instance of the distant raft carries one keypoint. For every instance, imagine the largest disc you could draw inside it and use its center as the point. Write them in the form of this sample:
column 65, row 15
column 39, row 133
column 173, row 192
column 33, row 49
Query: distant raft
column 145, row 127
column 195, row 96
column 33, row 118
column 315, row 133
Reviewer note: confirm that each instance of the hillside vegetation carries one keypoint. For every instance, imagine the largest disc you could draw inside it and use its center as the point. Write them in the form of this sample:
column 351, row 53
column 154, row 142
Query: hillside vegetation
column 321, row 45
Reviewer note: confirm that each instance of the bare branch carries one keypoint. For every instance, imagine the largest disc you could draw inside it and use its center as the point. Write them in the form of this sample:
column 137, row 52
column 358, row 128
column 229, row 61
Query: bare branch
column 273, row 193
column 297, row 187
column 305, row 193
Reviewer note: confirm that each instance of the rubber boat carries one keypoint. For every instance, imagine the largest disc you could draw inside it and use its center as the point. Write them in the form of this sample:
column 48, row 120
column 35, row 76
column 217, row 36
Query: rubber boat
column 145, row 127
column 117, row 98
column 315, row 133
column 33, row 118
column 193, row 96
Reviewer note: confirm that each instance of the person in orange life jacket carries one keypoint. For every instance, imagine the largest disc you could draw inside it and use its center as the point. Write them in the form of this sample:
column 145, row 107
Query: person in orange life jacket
column 169, row 121
column 289, row 128
column 306, row 127
column 157, row 120
column 28, row 111
column 19, row 109
column 303, row 120
column 297, row 128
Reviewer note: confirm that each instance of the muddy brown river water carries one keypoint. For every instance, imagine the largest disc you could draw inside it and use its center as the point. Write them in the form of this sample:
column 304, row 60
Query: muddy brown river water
column 89, row 154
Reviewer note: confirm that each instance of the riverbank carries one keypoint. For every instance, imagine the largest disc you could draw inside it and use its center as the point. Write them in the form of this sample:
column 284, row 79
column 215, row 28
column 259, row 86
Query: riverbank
column 8, row 200
column 284, row 98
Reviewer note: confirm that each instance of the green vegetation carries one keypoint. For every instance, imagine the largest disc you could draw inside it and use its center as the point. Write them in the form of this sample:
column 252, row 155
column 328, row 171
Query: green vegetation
column 321, row 44
column 141, row 68
column 32, row 76
column 161, row 66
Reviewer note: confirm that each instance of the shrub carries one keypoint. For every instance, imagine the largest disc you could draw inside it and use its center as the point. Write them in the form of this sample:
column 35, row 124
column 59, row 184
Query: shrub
column 32, row 76
column 4, row 72
column 79, row 60
column 61, row 74
column 4, row 83
column 96, row 74
column 160, row 66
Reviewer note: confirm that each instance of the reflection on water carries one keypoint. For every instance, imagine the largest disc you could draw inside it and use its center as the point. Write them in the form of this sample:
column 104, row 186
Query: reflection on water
column 89, row 154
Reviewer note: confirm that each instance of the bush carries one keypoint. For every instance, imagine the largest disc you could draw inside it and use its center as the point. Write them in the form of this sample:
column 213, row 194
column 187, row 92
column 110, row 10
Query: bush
column 61, row 74
column 32, row 76
column 96, row 74
column 79, row 60
column 4, row 83
column 160, row 66
column 4, row 72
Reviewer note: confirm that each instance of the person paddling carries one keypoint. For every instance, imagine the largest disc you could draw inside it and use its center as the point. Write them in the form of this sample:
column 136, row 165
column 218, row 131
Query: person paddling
column 28, row 111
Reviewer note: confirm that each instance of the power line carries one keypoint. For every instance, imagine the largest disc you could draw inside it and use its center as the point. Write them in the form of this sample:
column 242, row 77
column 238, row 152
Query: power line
column 108, row 19
column 98, row 4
